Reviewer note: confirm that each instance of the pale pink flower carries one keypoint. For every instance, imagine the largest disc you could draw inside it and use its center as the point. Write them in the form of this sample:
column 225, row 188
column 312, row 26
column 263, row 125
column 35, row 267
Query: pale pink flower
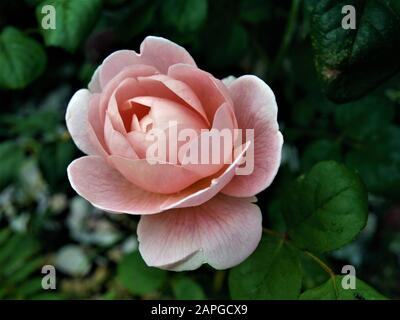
column 191, row 214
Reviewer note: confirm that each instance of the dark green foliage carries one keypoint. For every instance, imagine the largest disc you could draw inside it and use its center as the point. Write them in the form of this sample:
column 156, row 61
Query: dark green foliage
column 22, row 59
column 333, row 290
column 338, row 94
column 272, row 272
column 345, row 56
column 74, row 20
column 139, row 279
column 326, row 208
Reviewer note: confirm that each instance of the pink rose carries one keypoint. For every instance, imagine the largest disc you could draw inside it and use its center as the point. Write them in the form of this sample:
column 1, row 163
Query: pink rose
column 191, row 213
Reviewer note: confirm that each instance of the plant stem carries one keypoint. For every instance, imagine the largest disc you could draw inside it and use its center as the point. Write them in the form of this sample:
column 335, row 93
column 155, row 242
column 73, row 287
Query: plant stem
column 274, row 233
column 322, row 264
column 219, row 279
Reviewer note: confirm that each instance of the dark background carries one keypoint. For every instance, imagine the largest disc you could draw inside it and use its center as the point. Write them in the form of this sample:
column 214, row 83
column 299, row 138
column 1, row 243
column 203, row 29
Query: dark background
column 43, row 221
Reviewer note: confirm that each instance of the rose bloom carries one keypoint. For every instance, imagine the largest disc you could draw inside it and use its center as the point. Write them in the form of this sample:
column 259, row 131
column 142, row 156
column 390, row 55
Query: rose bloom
column 190, row 213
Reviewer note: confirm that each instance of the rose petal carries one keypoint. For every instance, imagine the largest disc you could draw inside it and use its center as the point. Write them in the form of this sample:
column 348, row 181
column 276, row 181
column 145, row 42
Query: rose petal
column 162, row 53
column 115, row 63
column 99, row 106
column 222, row 121
column 76, row 118
column 162, row 178
column 255, row 108
column 180, row 89
column 164, row 111
column 137, row 140
column 211, row 92
column 154, row 51
column 96, row 126
column 104, row 187
column 117, row 143
column 207, row 188
column 94, row 85
column 228, row 80
column 128, row 74
column 222, row 232
column 93, row 179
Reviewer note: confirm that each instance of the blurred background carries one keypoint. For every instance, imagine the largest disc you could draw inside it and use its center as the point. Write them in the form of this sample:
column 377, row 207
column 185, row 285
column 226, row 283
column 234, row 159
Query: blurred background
column 43, row 221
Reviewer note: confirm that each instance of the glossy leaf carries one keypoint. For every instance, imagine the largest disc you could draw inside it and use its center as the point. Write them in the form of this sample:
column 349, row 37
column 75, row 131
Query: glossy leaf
column 333, row 290
column 74, row 21
column 137, row 277
column 351, row 62
column 187, row 289
column 326, row 208
column 272, row 272
column 22, row 59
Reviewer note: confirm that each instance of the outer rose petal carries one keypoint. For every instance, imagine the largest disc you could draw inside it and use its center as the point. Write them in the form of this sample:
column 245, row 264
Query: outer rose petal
column 93, row 179
column 162, row 178
column 94, row 83
column 96, row 181
column 154, row 51
column 162, row 53
column 255, row 108
column 222, row 232
column 96, row 126
column 76, row 118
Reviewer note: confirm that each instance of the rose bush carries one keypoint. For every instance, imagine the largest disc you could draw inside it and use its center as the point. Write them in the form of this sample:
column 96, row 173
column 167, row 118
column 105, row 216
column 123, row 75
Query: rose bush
column 191, row 214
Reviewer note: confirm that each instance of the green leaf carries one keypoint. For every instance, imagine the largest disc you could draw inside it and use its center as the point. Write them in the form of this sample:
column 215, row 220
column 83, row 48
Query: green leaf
column 137, row 277
column 74, row 21
column 30, row 287
column 333, row 290
column 187, row 289
column 365, row 117
column 11, row 158
column 39, row 122
column 374, row 141
column 4, row 235
column 254, row 11
column 184, row 15
column 26, row 270
column 26, row 249
column 8, row 250
column 313, row 274
column 320, row 150
column 326, row 208
column 351, row 62
column 18, row 263
column 227, row 43
column 272, row 272
column 378, row 162
column 54, row 159
column 22, row 59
